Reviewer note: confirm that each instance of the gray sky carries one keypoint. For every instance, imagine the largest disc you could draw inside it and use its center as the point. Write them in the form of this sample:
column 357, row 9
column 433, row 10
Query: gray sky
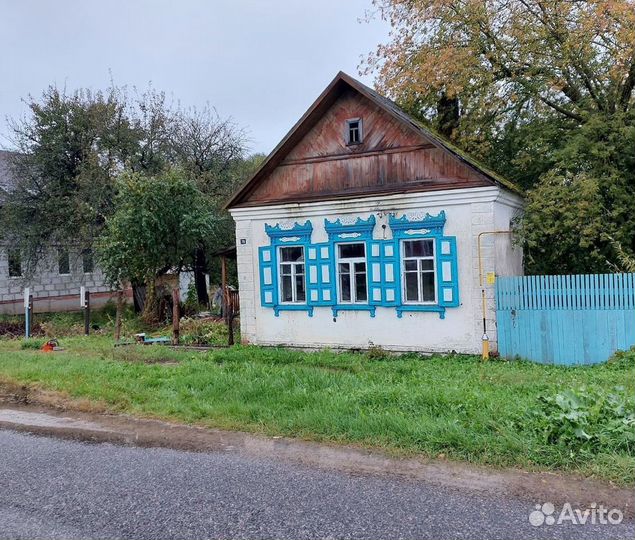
column 260, row 62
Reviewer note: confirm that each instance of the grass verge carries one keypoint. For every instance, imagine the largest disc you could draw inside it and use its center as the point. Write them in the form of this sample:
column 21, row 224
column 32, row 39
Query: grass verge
column 454, row 406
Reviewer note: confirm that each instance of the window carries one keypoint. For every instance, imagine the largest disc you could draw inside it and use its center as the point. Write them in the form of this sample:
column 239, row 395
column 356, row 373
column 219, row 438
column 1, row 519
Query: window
column 419, row 271
column 87, row 261
column 292, row 286
column 15, row 263
column 354, row 126
column 351, row 273
column 63, row 262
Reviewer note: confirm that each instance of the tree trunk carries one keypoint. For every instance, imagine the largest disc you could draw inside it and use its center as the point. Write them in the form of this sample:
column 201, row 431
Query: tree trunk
column 200, row 265
column 448, row 114
column 176, row 315
column 118, row 315
column 150, row 307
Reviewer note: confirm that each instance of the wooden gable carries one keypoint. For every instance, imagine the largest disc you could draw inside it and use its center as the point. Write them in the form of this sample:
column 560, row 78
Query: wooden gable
column 314, row 161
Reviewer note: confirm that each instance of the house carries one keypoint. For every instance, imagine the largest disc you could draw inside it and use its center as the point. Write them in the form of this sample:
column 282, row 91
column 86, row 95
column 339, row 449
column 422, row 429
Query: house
column 55, row 285
column 362, row 229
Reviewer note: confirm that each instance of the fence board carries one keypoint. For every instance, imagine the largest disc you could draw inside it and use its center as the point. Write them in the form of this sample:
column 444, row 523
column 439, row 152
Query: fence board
column 569, row 319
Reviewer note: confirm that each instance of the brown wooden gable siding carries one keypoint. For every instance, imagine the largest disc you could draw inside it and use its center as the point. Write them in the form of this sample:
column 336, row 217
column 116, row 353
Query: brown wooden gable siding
column 391, row 158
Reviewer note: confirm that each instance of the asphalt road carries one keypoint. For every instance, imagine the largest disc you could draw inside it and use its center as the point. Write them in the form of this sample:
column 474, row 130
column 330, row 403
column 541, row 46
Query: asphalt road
column 52, row 488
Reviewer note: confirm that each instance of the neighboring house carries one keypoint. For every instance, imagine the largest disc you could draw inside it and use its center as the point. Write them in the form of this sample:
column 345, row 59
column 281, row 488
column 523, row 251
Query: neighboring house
column 361, row 229
column 56, row 284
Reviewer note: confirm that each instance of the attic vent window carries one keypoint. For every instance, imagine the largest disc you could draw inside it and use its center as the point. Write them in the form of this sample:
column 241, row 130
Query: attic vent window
column 354, row 130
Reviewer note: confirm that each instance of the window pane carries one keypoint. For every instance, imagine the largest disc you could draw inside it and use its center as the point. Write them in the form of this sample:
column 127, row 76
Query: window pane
column 345, row 287
column 299, row 269
column 291, row 254
column 361, row 294
column 15, row 263
column 63, row 265
column 412, row 292
column 360, row 268
column 87, row 261
column 418, row 248
column 287, row 295
column 427, row 286
column 300, row 296
column 285, row 269
column 411, row 265
column 348, row 251
column 427, row 264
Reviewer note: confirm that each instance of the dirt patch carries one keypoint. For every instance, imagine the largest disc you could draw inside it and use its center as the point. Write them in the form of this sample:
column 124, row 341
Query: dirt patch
column 94, row 423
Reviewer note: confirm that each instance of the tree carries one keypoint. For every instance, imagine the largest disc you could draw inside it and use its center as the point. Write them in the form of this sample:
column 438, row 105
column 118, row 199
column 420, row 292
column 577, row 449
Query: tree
column 69, row 151
column 158, row 223
column 211, row 149
column 502, row 57
column 542, row 90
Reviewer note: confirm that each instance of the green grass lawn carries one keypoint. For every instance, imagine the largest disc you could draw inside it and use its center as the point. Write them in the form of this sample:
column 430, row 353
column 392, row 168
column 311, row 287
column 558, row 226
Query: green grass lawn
column 456, row 406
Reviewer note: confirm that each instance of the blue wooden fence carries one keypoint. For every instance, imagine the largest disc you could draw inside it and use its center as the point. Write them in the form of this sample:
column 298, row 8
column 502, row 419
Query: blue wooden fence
column 577, row 319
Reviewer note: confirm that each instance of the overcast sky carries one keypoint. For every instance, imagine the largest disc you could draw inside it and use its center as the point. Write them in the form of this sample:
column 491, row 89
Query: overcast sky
column 261, row 62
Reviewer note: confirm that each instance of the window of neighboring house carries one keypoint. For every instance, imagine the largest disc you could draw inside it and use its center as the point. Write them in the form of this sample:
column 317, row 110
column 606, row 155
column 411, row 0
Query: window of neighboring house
column 15, row 262
column 63, row 262
column 292, row 280
column 354, row 128
column 351, row 273
column 88, row 264
column 418, row 267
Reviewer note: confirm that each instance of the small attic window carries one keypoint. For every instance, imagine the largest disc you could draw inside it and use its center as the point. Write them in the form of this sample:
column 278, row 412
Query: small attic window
column 354, row 131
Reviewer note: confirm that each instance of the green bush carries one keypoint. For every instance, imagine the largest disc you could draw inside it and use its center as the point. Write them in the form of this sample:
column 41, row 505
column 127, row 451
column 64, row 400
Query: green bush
column 587, row 420
column 32, row 343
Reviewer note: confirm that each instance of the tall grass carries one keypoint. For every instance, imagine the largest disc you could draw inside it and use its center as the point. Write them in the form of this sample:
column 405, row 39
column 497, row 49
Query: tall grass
column 456, row 406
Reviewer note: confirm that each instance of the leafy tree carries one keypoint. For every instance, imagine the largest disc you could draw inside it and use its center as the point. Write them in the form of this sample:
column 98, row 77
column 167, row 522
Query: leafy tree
column 69, row 151
column 580, row 216
column 158, row 223
column 211, row 149
column 72, row 145
column 542, row 90
column 501, row 58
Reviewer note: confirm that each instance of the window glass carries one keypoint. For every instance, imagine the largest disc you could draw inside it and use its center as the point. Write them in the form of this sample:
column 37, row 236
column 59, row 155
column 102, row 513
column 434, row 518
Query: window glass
column 295, row 253
column 15, row 263
column 412, row 289
column 418, row 248
column 354, row 131
column 292, row 278
column 63, row 262
column 418, row 271
column 88, row 264
column 352, row 273
column 349, row 251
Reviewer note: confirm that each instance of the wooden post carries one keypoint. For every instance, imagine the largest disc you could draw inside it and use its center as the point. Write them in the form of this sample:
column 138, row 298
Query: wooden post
column 227, row 310
column 118, row 315
column 175, row 314
column 86, row 313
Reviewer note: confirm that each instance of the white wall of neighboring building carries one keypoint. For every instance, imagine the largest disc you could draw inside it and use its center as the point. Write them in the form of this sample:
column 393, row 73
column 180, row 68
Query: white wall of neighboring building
column 468, row 213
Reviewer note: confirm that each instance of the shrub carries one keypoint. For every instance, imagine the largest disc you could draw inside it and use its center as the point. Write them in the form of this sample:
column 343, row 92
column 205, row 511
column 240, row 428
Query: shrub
column 587, row 420
column 31, row 343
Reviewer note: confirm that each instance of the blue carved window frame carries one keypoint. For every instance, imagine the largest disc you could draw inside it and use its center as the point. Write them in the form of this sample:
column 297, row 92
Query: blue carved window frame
column 358, row 232
column 384, row 264
column 297, row 236
column 445, row 255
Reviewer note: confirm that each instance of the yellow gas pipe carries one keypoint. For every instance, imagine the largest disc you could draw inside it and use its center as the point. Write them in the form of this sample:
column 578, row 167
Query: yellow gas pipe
column 485, row 338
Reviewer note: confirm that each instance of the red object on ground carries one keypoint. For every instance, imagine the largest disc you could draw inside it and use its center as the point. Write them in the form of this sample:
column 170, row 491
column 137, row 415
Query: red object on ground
column 49, row 346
